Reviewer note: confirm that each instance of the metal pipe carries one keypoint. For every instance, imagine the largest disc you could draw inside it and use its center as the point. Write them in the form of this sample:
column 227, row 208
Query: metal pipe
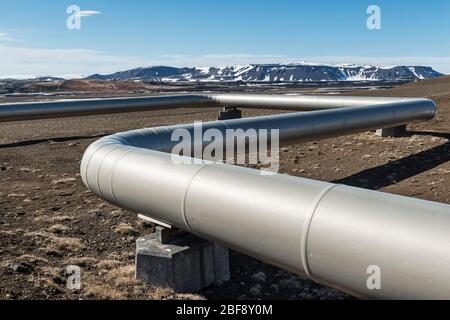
column 84, row 107
column 329, row 233
column 299, row 103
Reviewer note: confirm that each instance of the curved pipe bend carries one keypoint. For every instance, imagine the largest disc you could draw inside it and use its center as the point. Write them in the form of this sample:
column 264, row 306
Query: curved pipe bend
column 333, row 234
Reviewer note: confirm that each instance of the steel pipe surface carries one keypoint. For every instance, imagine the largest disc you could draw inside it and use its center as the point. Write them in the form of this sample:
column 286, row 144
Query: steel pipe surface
column 84, row 107
column 329, row 233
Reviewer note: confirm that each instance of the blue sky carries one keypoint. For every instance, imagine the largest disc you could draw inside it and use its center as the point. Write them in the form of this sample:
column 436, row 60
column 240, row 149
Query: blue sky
column 118, row 34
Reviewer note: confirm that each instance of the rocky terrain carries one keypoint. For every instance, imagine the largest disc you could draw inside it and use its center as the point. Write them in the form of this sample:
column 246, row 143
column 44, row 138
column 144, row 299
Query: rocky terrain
column 48, row 220
column 50, row 88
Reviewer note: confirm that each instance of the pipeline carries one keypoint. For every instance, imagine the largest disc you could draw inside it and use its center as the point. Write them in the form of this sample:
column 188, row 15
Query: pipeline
column 85, row 107
column 332, row 234
column 329, row 233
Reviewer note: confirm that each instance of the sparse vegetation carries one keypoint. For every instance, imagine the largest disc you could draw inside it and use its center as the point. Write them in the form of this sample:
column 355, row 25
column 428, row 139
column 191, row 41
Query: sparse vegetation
column 125, row 229
column 58, row 229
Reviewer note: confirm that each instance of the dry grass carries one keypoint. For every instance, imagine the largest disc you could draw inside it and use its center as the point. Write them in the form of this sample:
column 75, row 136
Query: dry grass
column 61, row 218
column 103, row 292
column 118, row 283
column 53, row 219
column 28, row 258
column 69, row 244
column 112, row 282
column 108, row 264
column 126, row 229
column 58, row 229
column 64, row 180
column 122, row 276
column 14, row 232
column 85, row 262
column 57, row 243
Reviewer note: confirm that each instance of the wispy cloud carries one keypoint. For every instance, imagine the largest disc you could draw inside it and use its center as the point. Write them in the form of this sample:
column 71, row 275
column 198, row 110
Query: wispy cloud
column 41, row 61
column 221, row 59
column 6, row 37
column 87, row 13
column 16, row 60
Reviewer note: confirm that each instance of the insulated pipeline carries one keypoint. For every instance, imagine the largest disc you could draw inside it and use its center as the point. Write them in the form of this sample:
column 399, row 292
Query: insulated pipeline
column 330, row 233
column 85, row 107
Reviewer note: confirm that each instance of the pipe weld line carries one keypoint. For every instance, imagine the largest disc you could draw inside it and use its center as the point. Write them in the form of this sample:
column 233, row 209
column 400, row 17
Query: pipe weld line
column 306, row 228
column 100, row 168
column 113, row 169
column 89, row 162
column 183, row 205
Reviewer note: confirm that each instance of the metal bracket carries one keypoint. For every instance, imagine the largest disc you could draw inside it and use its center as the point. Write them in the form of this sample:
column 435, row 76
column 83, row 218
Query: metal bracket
column 165, row 235
column 399, row 131
column 229, row 113
column 164, row 232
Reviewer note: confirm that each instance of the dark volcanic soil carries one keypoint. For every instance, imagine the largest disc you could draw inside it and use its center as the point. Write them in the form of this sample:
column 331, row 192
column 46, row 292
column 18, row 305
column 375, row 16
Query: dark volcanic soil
column 48, row 220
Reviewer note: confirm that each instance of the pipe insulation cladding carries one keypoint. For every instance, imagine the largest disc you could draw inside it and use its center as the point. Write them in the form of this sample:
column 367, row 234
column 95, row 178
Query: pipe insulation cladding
column 85, row 107
column 329, row 233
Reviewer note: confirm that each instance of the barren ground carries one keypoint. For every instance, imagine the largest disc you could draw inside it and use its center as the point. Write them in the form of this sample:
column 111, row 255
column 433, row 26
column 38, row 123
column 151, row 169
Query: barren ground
column 48, row 220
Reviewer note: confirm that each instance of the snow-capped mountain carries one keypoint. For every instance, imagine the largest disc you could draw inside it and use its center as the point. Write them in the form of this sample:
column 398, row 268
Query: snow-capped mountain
column 273, row 73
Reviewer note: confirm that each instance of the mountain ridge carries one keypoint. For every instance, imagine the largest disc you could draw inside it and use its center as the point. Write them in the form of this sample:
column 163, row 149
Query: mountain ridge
column 299, row 72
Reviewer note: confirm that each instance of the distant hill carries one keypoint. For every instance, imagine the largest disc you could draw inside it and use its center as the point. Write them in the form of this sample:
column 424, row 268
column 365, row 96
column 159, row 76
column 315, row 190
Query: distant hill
column 437, row 89
column 273, row 73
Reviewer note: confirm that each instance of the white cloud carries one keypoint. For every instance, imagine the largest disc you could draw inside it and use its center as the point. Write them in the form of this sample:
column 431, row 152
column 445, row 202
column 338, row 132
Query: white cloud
column 39, row 61
column 5, row 36
column 87, row 13
column 222, row 59
column 26, row 62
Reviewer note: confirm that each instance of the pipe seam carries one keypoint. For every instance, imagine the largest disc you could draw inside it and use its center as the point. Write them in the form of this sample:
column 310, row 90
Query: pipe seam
column 100, row 168
column 88, row 163
column 183, row 207
column 306, row 227
column 113, row 170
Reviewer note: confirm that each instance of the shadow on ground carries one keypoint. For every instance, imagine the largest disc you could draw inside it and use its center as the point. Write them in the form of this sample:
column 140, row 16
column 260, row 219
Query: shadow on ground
column 38, row 141
column 402, row 169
